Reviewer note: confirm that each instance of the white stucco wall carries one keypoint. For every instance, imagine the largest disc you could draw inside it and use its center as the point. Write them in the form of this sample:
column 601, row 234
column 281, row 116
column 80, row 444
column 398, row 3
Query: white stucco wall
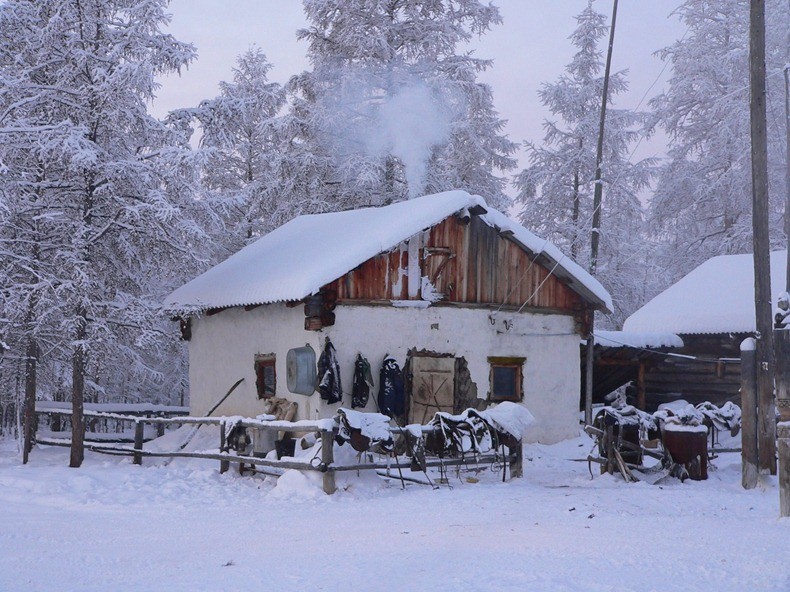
column 223, row 347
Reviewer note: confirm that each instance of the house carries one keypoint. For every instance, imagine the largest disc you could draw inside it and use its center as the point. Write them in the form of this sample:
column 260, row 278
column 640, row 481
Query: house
column 470, row 304
column 710, row 311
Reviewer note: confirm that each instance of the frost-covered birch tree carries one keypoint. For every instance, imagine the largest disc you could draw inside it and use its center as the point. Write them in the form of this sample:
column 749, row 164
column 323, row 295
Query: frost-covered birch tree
column 392, row 107
column 99, row 217
column 702, row 202
column 556, row 188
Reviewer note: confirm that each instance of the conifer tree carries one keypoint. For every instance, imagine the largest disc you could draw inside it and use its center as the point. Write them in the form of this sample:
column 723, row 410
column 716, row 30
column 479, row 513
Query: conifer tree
column 392, row 108
column 556, row 189
column 702, row 201
column 240, row 138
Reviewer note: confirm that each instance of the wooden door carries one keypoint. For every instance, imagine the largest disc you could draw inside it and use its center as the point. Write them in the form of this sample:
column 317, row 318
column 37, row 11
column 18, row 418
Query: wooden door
column 432, row 387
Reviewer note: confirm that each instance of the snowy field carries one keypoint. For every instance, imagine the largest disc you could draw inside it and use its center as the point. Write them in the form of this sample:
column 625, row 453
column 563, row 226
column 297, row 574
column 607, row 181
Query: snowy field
column 112, row 526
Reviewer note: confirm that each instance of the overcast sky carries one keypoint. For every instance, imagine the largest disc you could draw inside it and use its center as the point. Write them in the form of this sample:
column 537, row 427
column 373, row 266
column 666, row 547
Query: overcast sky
column 529, row 48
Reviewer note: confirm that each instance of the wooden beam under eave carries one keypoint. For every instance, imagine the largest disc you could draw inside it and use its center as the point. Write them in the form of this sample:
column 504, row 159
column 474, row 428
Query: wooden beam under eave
column 250, row 307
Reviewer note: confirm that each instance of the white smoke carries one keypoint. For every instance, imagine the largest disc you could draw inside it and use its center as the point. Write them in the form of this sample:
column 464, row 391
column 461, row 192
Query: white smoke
column 408, row 125
column 406, row 122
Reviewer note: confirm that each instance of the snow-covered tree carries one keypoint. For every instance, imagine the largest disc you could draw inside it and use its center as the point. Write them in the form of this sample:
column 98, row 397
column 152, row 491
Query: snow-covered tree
column 392, row 107
column 556, row 189
column 240, row 137
column 99, row 217
column 702, row 202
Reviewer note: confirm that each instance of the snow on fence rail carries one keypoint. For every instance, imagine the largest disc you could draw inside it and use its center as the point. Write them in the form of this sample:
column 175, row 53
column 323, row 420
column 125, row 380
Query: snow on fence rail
column 327, row 429
column 119, row 412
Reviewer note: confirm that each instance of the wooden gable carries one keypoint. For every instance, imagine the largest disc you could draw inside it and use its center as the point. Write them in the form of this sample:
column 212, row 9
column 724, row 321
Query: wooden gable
column 467, row 262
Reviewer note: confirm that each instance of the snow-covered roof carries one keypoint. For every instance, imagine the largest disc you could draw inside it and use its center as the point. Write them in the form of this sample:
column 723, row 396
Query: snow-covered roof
column 300, row 257
column 638, row 340
column 716, row 297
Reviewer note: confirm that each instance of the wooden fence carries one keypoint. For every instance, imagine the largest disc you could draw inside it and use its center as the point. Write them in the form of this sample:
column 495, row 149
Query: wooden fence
column 325, row 428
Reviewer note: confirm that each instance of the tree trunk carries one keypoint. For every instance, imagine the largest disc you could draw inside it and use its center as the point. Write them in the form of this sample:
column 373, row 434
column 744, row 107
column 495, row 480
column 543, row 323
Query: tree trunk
column 31, row 360
column 575, row 220
column 78, row 393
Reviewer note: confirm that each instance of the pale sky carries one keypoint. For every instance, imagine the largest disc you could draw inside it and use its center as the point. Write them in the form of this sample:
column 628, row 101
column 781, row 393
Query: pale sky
column 529, row 48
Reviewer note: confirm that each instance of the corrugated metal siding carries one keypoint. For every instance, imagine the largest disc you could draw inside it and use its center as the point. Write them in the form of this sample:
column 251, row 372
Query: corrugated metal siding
column 468, row 263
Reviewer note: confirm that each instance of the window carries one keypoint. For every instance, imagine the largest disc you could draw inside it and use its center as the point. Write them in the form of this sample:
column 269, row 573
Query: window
column 506, row 379
column 265, row 376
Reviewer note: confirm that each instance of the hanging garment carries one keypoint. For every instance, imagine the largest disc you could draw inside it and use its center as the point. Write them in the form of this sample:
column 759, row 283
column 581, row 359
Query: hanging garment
column 363, row 382
column 329, row 375
column 392, row 395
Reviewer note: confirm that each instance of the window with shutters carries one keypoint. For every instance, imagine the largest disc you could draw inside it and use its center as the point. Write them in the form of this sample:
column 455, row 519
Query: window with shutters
column 506, row 378
column 265, row 376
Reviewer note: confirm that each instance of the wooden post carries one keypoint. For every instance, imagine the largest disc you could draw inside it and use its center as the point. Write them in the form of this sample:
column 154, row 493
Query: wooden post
column 327, row 459
column 588, row 373
column 139, row 428
column 224, row 465
column 766, row 410
column 749, row 464
column 782, row 352
column 517, row 464
column 641, row 395
column 783, row 431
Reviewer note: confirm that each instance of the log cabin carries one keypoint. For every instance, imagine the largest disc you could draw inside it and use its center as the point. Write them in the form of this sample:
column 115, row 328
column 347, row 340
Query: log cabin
column 693, row 330
column 472, row 306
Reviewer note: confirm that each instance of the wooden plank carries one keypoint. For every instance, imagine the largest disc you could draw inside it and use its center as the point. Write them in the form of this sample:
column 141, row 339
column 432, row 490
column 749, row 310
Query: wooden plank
column 488, row 268
column 433, row 387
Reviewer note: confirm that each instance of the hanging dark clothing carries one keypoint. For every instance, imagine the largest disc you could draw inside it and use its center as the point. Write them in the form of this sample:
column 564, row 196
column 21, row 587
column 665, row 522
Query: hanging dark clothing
column 363, row 382
column 329, row 375
column 392, row 394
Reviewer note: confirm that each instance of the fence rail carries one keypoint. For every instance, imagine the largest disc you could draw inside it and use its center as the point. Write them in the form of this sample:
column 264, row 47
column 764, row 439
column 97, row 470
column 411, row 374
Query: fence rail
column 325, row 428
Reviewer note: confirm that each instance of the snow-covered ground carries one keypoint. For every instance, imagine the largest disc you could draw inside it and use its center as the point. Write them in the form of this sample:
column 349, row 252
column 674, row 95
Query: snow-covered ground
column 112, row 526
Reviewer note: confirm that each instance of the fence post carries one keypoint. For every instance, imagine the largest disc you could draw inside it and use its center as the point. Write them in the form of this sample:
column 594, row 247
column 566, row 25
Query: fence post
column 139, row 427
column 783, row 431
column 517, row 464
column 224, row 465
column 749, row 467
column 327, row 459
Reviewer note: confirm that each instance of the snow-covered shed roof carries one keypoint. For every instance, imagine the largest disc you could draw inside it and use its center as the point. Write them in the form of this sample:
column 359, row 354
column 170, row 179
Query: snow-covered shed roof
column 303, row 255
column 716, row 297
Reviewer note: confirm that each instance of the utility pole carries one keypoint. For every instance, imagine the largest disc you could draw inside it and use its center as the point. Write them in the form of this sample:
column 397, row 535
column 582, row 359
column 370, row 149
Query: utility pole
column 782, row 332
column 783, row 336
column 596, row 220
column 766, row 420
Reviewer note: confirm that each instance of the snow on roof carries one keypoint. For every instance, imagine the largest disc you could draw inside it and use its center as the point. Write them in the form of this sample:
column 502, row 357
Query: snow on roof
column 638, row 340
column 301, row 256
column 716, row 297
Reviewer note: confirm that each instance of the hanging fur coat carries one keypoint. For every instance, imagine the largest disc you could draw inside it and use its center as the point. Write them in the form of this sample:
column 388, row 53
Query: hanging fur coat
column 329, row 375
column 363, row 382
column 392, row 394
